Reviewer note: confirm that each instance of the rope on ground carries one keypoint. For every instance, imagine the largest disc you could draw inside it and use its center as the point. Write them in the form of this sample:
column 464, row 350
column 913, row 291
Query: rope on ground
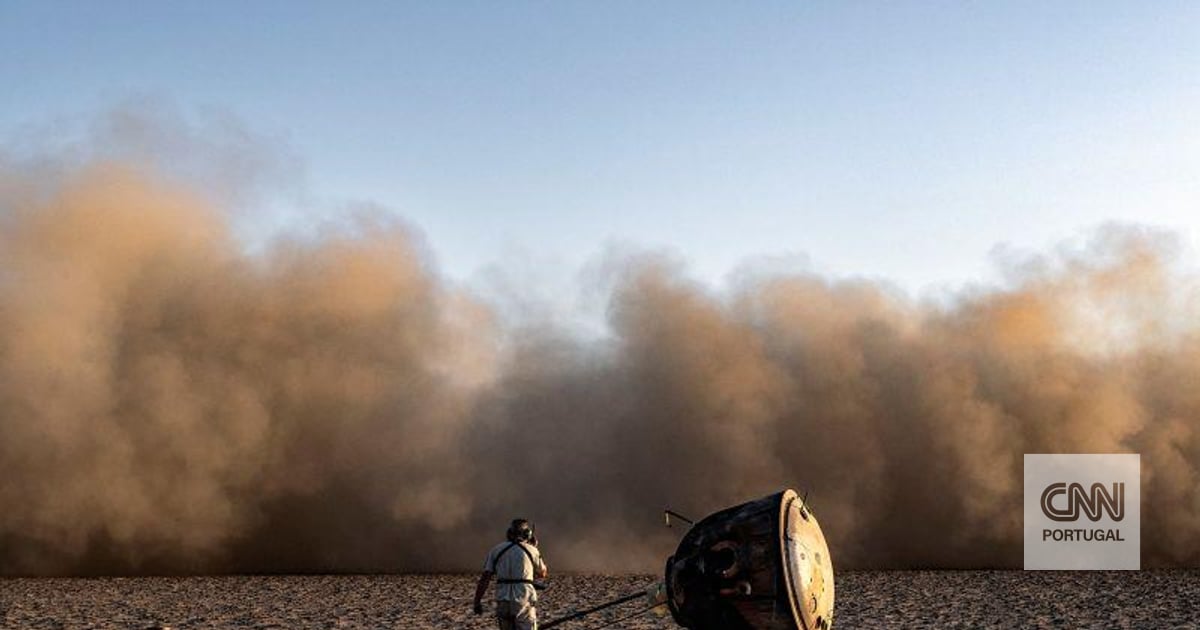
column 609, row 624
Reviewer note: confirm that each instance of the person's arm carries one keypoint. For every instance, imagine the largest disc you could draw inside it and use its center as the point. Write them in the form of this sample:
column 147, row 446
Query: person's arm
column 485, row 578
column 539, row 569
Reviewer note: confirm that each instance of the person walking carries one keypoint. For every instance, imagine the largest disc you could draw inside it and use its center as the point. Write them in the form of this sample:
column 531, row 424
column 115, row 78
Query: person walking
column 516, row 564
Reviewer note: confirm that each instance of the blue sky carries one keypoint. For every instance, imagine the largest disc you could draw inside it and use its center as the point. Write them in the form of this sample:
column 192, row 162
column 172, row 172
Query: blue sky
column 887, row 140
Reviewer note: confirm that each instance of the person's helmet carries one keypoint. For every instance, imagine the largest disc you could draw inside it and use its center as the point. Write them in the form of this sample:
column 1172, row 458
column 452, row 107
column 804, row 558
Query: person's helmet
column 521, row 530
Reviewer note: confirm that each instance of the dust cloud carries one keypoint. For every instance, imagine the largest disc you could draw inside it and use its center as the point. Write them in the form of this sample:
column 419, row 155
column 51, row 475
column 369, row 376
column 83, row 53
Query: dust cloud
column 173, row 401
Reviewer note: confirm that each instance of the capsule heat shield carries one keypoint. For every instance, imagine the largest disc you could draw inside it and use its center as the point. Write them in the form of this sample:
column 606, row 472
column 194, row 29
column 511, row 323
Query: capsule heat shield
column 761, row 565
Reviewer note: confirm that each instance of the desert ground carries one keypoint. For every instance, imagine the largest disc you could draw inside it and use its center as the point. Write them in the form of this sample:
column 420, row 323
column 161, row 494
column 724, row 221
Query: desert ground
column 865, row 599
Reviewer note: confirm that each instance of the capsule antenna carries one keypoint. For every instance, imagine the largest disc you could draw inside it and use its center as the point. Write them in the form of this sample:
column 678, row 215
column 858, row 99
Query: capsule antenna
column 668, row 513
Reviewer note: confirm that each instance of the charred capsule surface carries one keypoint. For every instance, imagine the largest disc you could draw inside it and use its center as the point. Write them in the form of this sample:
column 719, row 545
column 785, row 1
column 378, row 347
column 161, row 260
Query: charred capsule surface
column 761, row 565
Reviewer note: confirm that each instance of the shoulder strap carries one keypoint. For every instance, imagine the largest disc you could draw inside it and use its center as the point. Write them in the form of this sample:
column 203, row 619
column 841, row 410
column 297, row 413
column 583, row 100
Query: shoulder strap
column 528, row 554
column 496, row 562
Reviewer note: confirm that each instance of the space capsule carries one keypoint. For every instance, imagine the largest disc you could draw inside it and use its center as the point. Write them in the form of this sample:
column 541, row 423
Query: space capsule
column 761, row 565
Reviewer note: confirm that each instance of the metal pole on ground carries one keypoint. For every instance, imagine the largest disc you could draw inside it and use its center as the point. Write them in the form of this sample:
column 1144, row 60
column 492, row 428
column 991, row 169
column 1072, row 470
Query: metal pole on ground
column 584, row 613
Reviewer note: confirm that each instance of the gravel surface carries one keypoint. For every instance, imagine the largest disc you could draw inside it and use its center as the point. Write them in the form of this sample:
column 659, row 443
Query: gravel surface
column 865, row 599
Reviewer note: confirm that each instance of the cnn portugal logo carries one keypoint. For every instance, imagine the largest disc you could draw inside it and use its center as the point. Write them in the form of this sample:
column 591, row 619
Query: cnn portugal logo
column 1082, row 511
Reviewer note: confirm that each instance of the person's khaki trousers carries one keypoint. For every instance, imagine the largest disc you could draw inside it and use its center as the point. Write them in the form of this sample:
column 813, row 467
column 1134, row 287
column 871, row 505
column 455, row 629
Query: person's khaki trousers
column 516, row 616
